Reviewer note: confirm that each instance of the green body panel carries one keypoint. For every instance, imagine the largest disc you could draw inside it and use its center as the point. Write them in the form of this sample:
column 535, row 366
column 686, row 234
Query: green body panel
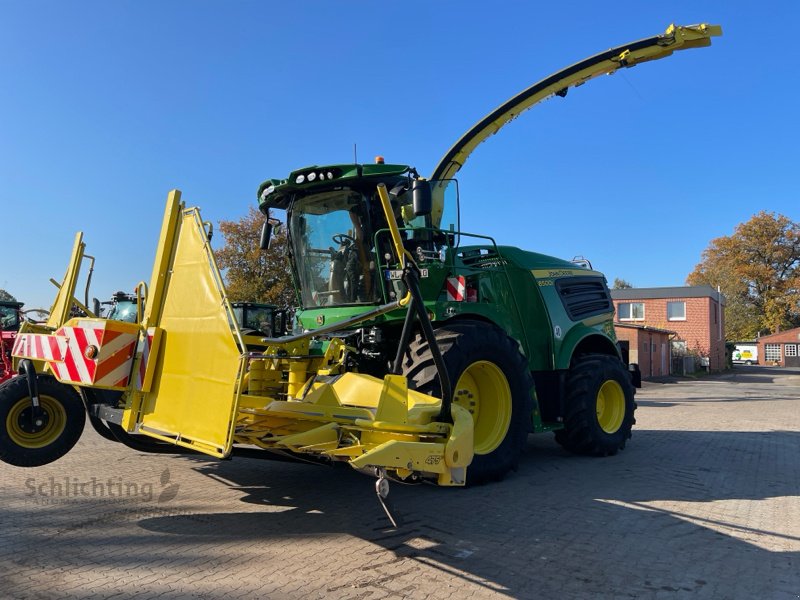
column 548, row 319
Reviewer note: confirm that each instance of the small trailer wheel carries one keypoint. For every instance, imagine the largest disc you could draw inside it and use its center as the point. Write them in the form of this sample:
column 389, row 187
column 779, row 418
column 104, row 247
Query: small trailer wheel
column 31, row 439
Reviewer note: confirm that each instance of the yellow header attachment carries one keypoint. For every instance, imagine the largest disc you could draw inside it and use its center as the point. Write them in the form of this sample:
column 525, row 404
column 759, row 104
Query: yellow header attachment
column 65, row 299
column 660, row 46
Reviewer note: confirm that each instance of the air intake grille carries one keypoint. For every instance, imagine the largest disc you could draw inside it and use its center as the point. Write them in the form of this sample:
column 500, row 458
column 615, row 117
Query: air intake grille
column 584, row 296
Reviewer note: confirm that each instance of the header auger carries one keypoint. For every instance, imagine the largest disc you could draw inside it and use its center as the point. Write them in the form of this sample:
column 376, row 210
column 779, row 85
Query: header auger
column 419, row 352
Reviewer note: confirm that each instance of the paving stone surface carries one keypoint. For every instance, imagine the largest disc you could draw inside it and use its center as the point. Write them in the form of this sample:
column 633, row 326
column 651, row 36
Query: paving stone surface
column 703, row 503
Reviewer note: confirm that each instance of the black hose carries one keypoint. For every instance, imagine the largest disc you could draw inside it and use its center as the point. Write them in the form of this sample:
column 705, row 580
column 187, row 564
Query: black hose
column 411, row 279
column 405, row 338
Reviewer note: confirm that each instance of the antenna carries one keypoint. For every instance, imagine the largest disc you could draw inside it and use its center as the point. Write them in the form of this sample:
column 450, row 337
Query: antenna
column 355, row 153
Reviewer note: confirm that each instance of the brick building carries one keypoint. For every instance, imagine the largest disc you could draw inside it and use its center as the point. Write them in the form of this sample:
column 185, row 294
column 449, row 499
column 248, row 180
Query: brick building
column 648, row 347
column 782, row 348
column 696, row 315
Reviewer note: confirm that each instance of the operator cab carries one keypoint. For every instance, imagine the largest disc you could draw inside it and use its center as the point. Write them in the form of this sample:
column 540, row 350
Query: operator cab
column 339, row 240
column 332, row 248
column 123, row 308
column 10, row 316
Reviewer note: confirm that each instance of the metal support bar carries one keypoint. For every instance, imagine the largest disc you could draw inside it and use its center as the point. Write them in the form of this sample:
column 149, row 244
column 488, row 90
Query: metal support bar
column 27, row 369
column 106, row 413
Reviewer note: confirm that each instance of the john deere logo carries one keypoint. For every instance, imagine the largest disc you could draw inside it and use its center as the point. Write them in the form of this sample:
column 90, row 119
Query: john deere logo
column 320, row 319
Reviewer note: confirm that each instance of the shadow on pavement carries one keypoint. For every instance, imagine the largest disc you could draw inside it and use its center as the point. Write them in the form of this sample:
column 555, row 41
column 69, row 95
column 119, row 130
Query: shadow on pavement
column 553, row 511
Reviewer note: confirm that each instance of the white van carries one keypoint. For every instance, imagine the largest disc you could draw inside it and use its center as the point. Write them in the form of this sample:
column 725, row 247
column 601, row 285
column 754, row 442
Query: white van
column 745, row 354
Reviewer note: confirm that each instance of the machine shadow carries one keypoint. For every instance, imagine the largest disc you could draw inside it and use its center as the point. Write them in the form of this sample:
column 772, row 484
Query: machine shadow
column 468, row 531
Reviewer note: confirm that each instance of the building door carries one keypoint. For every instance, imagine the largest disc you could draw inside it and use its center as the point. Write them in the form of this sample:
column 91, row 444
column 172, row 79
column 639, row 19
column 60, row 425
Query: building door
column 772, row 354
column 625, row 350
column 791, row 359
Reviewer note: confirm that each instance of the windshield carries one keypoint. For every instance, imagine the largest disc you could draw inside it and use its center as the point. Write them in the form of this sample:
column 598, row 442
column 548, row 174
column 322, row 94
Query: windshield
column 333, row 236
column 123, row 310
column 9, row 318
column 332, row 249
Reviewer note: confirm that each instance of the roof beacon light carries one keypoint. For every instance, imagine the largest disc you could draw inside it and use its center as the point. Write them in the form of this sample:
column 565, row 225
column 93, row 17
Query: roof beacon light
column 378, row 160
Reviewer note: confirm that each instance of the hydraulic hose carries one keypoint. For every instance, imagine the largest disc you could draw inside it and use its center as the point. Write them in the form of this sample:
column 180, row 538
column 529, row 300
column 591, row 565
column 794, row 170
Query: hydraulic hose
column 412, row 282
column 405, row 338
column 411, row 279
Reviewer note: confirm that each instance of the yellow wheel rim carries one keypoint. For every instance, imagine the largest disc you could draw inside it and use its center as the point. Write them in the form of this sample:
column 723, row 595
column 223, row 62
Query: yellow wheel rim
column 24, row 432
column 484, row 391
column 610, row 406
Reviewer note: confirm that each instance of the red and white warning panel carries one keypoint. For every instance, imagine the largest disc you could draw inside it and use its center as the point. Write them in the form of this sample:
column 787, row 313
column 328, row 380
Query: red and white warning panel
column 456, row 289
column 85, row 351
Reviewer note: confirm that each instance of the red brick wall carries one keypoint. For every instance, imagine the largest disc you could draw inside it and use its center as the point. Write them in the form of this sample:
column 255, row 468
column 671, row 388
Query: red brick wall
column 703, row 330
column 790, row 336
column 649, row 349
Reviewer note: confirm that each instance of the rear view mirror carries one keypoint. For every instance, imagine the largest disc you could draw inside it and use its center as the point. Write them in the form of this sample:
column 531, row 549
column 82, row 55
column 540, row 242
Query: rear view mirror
column 422, row 200
column 266, row 234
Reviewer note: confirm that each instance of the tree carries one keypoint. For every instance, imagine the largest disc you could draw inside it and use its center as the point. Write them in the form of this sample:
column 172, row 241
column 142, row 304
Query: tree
column 758, row 270
column 6, row 297
column 621, row 284
column 252, row 274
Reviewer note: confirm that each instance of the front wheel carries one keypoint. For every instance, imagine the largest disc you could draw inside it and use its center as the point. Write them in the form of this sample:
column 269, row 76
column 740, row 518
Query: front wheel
column 491, row 379
column 30, row 440
column 599, row 406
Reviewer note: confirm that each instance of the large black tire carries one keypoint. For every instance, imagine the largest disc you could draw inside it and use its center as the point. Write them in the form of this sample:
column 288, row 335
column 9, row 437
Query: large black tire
column 490, row 377
column 115, row 433
column 599, row 406
column 24, row 443
column 101, row 427
column 93, row 396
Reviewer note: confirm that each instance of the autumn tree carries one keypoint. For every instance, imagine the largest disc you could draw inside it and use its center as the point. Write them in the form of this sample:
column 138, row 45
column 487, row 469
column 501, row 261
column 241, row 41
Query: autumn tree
column 758, row 270
column 621, row 284
column 252, row 274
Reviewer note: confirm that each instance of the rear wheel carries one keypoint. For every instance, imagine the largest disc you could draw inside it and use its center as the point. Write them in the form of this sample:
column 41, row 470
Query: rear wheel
column 599, row 406
column 490, row 378
column 29, row 440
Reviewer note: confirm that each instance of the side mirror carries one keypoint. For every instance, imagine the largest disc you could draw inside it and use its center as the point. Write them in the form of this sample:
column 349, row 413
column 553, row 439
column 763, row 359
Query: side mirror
column 266, row 234
column 96, row 307
column 422, row 198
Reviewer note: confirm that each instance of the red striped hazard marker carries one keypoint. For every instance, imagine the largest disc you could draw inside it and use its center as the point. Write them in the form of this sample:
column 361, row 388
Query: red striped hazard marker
column 456, row 288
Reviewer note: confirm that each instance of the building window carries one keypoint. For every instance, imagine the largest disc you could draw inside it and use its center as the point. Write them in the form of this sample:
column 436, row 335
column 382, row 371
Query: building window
column 676, row 311
column 772, row 352
column 631, row 311
column 790, row 349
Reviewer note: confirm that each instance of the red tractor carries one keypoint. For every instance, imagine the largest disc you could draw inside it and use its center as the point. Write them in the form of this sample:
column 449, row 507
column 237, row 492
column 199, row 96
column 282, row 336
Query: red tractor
column 10, row 318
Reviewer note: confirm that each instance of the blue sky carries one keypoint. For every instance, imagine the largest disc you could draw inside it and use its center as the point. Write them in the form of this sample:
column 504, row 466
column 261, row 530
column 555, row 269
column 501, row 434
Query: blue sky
column 105, row 106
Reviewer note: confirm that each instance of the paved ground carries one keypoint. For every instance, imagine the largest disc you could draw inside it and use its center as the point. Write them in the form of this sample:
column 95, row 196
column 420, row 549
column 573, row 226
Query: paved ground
column 704, row 502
